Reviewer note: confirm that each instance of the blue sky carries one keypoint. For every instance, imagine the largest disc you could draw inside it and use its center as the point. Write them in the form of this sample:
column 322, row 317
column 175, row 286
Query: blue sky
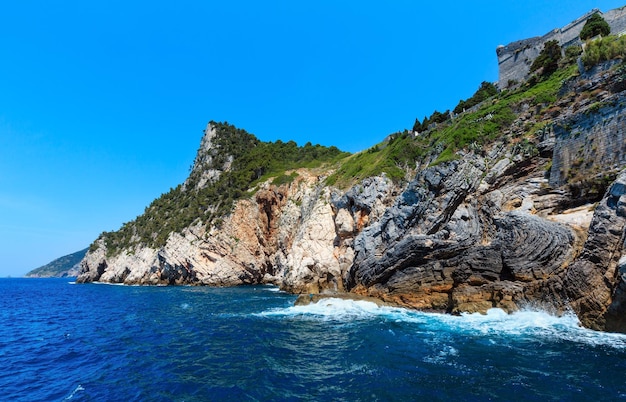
column 103, row 103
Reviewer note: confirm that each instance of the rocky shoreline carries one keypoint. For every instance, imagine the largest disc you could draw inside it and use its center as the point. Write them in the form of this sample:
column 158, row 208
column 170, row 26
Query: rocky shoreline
column 491, row 228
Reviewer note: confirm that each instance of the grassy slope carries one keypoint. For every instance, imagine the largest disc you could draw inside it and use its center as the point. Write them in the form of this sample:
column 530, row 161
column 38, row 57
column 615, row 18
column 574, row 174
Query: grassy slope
column 473, row 130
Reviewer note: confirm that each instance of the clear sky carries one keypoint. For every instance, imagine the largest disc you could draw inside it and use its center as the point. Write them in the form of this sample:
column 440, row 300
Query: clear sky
column 103, row 103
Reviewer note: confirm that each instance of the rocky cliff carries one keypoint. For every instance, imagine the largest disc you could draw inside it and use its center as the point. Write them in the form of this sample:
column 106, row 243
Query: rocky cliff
column 511, row 220
column 595, row 284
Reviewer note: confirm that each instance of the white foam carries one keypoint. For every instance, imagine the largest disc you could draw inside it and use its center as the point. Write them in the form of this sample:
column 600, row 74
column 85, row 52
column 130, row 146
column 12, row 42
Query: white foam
column 538, row 324
column 329, row 308
column 532, row 323
column 77, row 389
column 269, row 287
column 515, row 323
column 444, row 355
column 109, row 283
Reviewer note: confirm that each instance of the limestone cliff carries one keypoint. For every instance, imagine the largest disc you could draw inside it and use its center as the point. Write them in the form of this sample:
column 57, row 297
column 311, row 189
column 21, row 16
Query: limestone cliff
column 288, row 235
column 528, row 212
column 283, row 234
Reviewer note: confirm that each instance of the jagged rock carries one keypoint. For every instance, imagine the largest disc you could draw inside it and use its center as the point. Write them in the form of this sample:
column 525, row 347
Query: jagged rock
column 595, row 283
column 486, row 230
column 311, row 262
column 438, row 248
column 344, row 223
column 285, row 235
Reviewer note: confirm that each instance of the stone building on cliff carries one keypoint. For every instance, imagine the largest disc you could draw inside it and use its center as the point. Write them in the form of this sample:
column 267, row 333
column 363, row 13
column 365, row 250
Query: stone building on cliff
column 515, row 59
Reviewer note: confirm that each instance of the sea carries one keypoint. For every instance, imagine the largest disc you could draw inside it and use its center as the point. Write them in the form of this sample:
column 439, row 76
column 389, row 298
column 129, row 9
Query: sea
column 61, row 341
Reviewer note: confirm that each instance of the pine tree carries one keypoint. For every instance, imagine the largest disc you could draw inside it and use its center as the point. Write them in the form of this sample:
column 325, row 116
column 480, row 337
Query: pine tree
column 595, row 25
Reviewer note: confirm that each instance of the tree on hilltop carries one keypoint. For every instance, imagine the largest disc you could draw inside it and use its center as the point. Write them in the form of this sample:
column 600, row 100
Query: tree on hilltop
column 486, row 91
column 595, row 25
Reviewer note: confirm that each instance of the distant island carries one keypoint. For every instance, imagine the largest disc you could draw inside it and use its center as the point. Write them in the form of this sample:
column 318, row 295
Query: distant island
column 68, row 265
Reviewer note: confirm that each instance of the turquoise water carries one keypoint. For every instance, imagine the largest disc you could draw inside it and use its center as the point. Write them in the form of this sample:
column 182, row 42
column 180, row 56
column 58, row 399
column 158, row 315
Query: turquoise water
column 60, row 341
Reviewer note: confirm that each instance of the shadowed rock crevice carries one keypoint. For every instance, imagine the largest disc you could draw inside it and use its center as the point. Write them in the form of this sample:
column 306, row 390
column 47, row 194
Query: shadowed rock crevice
column 595, row 283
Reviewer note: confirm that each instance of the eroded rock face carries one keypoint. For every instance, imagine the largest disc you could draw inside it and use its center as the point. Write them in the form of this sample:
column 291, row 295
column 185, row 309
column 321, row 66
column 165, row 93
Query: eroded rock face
column 462, row 236
column 595, row 283
column 445, row 246
column 491, row 229
column 294, row 236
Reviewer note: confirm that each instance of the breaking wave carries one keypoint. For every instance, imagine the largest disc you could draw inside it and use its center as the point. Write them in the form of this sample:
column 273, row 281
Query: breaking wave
column 70, row 342
column 495, row 323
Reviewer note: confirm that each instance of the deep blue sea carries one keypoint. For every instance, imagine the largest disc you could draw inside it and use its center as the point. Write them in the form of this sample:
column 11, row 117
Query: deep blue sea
column 61, row 341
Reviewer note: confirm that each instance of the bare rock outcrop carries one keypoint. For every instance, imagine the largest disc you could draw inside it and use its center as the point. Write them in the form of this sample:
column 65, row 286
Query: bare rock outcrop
column 508, row 224
column 595, row 283
column 288, row 235
column 444, row 246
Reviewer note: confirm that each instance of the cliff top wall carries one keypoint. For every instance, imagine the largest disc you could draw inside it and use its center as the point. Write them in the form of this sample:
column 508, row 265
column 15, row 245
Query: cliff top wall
column 515, row 59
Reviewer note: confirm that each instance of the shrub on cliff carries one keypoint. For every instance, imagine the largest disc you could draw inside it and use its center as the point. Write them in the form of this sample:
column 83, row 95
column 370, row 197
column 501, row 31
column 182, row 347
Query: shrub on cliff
column 572, row 53
column 473, row 130
column 399, row 154
column 595, row 25
column 548, row 59
column 608, row 48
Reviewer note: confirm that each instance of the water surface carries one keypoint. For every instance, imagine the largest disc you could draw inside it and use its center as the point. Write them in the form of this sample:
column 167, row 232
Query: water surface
column 61, row 341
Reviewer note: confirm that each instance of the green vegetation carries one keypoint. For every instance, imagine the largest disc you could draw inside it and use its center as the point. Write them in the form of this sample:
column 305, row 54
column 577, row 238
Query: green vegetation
column 244, row 160
column 436, row 118
column 548, row 59
column 284, row 179
column 572, row 53
column 58, row 267
column 392, row 157
column 470, row 130
column 603, row 49
column 595, row 25
column 486, row 91
column 251, row 161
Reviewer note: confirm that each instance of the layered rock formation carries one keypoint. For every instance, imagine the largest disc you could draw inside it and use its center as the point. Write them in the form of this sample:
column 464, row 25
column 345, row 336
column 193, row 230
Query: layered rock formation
column 509, row 225
column 450, row 244
column 462, row 236
column 595, row 283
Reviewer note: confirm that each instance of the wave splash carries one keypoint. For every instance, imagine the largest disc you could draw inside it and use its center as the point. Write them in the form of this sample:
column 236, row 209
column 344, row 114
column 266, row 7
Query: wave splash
column 495, row 323
column 77, row 389
column 329, row 309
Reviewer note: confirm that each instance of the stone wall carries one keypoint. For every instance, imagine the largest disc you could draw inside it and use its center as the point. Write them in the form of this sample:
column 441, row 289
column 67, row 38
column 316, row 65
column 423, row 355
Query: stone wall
column 515, row 59
column 616, row 20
